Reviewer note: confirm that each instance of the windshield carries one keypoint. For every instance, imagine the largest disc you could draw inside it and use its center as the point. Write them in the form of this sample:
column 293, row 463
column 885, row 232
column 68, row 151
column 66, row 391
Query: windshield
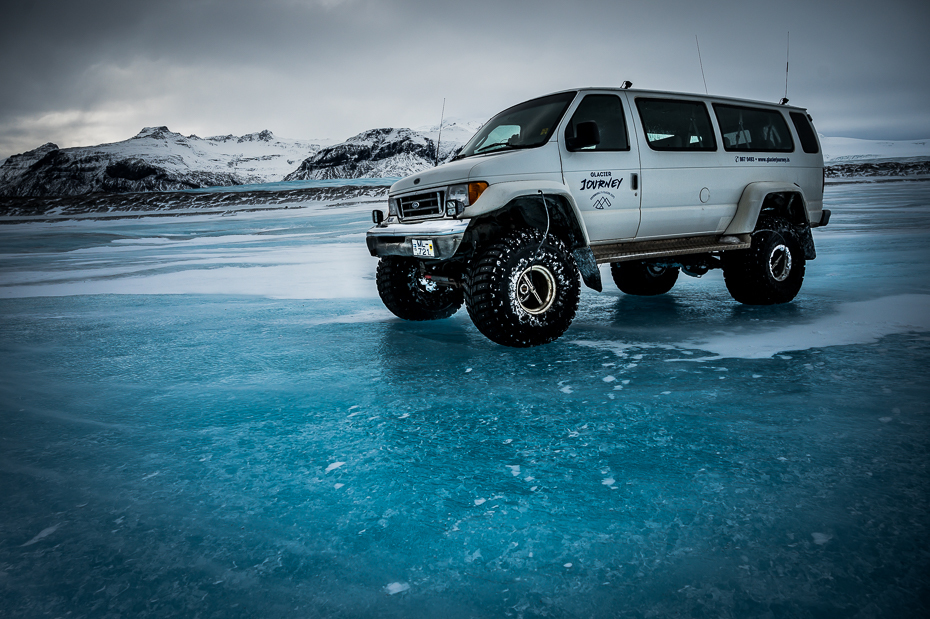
column 523, row 126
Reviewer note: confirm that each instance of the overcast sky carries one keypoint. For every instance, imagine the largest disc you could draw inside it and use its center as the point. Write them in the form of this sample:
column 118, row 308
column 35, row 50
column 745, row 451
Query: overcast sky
column 86, row 72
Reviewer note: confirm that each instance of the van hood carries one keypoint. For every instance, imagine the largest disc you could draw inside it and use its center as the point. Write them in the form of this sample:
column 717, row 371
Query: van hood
column 492, row 167
column 440, row 176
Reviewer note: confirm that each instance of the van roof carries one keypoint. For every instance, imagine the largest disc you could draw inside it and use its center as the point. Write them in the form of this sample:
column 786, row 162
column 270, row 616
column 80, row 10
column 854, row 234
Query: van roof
column 669, row 93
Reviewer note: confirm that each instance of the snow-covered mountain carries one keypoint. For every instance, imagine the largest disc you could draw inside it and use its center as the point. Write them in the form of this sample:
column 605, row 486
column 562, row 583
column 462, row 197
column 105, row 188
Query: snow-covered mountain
column 156, row 159
column 850, row 159
column 382, row 153
column 851, row 150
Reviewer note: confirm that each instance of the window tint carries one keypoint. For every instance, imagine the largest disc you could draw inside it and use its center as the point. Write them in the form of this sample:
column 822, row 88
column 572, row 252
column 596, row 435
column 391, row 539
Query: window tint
column 607, row 112
column 805, row 132
column 755, row 129
column 671, row 124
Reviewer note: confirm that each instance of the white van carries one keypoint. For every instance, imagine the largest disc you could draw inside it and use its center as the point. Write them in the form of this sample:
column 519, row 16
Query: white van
column 653, row 183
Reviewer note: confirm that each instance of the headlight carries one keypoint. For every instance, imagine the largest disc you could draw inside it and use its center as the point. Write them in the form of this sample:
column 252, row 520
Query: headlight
column 459, row 193
column 392, row 207
column 466, row 193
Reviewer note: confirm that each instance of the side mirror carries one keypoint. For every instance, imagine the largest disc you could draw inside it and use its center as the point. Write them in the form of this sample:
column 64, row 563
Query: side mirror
column 586, row 134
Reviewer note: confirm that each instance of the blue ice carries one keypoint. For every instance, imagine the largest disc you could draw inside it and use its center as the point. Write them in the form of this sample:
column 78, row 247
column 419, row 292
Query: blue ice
column 215, row 416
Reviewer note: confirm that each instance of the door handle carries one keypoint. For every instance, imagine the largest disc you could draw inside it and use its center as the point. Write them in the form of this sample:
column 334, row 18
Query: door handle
column 634, row 182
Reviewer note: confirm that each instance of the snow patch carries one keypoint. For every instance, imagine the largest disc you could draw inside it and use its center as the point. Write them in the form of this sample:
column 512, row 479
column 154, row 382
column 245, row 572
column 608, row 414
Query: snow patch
column 42, row 535
column 860, row 322
column 845, row 150
column 396, row 587
column 821, row 538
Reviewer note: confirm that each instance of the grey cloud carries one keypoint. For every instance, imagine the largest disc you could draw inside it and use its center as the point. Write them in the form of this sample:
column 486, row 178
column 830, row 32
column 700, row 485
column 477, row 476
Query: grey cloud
column 325, row 68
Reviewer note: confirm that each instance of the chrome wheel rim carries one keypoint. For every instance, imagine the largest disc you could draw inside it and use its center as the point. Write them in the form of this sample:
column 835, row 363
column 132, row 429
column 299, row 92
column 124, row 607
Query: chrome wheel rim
column 536, row 289
column 780, row 263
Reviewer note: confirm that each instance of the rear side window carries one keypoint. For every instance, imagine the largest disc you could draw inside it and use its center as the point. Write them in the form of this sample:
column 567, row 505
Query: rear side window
column 755, row 129
column 805, row 132
column 607, row 112
column 671, row 124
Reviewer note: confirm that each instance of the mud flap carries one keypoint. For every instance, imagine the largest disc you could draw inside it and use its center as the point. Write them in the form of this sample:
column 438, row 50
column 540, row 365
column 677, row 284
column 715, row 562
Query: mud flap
column 807, row 242
column 590, row 274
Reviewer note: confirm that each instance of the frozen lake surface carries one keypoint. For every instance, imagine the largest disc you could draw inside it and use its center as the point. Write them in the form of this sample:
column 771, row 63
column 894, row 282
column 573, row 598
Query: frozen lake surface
column 216, row 417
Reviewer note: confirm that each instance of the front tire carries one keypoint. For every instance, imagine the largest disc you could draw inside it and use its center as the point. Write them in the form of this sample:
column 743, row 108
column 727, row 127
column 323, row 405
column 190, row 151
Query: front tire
column 771, row 271
column 522, row 290
column 643, row 278
column 404, row 291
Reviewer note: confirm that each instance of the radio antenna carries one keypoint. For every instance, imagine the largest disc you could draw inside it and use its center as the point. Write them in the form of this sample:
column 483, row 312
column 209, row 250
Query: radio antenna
column 702, row 63
column 787, row 60
column 439, row 138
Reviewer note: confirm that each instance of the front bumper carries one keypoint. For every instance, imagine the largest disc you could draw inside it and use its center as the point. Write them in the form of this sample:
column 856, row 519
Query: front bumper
column 396, row 239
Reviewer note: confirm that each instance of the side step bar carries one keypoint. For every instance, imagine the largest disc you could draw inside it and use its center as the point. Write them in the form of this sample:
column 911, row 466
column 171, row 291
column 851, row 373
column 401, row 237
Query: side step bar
column 642, row 250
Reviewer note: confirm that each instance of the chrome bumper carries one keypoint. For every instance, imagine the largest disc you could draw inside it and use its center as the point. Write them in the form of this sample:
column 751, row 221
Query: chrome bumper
column 395, row 239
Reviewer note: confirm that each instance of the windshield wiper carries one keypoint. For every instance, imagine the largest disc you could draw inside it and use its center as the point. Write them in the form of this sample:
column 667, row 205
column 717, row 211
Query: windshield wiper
column 508, row 145
column 487, row 146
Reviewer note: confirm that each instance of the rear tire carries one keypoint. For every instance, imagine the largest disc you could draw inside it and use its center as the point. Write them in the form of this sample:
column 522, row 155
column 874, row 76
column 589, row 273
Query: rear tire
column 522, row 291
column 771, row 271
column 643, row 278
column 411, row 297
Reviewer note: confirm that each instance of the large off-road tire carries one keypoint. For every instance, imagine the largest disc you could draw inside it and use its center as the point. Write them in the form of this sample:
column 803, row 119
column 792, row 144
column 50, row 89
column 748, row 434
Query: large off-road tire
column 642, row 278
column 522, row 291
column 411, row 297
column 771, row 270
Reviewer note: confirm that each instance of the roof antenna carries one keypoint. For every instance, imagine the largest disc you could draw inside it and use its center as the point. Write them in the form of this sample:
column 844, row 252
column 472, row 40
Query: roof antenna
column 702, row 63
column 439, row 138
column 787, row 58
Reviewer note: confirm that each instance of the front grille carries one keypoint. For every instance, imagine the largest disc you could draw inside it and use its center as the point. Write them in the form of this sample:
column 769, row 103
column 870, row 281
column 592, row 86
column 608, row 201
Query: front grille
column 421, row 206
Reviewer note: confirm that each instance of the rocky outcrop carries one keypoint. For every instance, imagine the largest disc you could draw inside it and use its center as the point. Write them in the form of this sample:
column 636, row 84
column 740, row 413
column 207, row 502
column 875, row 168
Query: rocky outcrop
column 878, row 169
column 377, row 153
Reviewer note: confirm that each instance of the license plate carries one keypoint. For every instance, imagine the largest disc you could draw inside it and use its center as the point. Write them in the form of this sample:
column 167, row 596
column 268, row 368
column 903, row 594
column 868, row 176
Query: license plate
column 423, row 247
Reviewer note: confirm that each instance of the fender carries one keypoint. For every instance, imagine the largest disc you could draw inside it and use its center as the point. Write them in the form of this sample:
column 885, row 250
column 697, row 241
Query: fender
column 751, row 201
column 499, row 195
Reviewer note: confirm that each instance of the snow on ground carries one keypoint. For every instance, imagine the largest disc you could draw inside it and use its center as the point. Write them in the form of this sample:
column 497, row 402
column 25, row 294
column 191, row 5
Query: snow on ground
column 859, row 322
column 211, row 255
column 852, row 150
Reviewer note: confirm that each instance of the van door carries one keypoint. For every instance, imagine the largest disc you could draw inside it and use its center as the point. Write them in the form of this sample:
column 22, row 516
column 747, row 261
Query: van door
column 603, row 177
column 683, row 185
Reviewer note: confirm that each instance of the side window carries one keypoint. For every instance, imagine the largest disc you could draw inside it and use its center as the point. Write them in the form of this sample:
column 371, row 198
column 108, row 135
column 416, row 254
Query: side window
column 607, row 112
column 672, row 124
column 755, row 129
column 805, row 132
